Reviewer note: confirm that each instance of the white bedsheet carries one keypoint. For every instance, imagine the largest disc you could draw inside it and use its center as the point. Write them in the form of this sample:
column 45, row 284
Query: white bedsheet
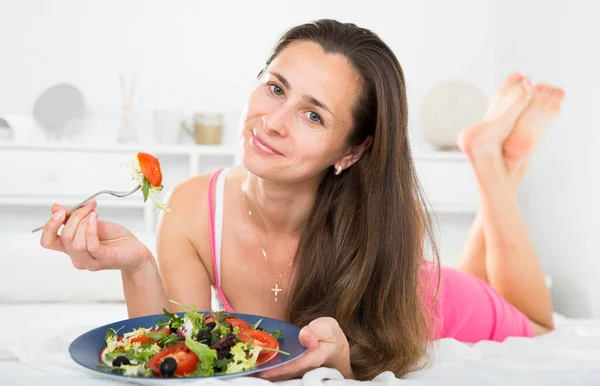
column 34, row 339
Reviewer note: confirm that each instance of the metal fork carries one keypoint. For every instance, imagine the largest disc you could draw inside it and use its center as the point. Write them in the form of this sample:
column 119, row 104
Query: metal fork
column 111, row 192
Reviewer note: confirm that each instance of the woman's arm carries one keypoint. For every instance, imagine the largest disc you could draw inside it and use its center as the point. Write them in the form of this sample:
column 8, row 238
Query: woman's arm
column 179, row 237
column 144, row 291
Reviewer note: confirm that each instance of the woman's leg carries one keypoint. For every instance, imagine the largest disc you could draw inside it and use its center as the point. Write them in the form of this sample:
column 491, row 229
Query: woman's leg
column 528, row 130
column 511, row 265
column 473, row 255
column 472, row 259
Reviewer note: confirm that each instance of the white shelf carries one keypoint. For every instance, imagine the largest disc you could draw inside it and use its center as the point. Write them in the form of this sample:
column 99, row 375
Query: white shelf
column 209, row 150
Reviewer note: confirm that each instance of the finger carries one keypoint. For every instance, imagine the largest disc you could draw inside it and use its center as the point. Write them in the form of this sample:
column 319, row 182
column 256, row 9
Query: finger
column 70, row 229
column 50, row 238
column 79, row 244
column 94, row 247
column 316, row 337
column 308, row 338
column 81, row 247
column 77, row 249
column 56, row 207
column 322, row 330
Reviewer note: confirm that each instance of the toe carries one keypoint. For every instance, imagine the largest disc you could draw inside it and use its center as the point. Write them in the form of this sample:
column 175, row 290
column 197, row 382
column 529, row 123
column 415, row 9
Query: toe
column 524, row 90
column 513, row 78
column 558, row 93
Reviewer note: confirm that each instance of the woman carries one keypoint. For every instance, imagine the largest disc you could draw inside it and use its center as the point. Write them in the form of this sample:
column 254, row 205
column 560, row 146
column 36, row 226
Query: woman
column 324, row 224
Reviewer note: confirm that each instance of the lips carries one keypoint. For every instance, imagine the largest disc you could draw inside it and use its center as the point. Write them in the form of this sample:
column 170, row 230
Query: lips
column 262, row 142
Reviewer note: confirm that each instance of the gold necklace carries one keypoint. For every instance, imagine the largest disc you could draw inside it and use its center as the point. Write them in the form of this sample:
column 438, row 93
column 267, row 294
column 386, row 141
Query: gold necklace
column 275, row 289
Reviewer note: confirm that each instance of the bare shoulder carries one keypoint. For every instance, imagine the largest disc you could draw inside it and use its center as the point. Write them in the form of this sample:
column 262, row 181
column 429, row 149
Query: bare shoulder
column 188, row 200
column 183, row 234
column 188, row 222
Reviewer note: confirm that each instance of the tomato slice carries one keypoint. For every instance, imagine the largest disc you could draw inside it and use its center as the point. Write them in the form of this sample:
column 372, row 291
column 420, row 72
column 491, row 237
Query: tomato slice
column 186, row 360
column 150, row 168
column 103, row 356
column 145, row 339
column 262, row 339
column 235, row 322
column 239, row 323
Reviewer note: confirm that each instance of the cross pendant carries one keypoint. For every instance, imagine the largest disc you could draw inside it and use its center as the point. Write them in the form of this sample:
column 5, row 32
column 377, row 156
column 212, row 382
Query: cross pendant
column 276, row 290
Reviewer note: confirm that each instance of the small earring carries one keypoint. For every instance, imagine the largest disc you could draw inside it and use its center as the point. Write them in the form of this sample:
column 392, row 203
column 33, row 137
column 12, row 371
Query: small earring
column 338, row 170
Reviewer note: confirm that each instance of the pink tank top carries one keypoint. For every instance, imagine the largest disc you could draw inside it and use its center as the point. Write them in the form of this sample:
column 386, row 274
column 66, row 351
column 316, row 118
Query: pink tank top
column 215, row 205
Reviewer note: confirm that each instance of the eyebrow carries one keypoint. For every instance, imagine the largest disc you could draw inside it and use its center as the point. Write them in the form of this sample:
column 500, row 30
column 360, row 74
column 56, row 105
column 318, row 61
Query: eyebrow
column 308, row 98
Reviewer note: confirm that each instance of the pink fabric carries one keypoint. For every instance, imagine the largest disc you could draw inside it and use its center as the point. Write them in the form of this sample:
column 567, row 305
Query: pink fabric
column 211, row 210
column 466, row 309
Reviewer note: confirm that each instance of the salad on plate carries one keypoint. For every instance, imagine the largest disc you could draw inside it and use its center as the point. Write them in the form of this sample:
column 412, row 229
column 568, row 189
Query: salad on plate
column 192, row 345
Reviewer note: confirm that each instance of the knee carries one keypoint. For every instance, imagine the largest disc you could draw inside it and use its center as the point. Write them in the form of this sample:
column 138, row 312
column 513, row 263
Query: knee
column 539, row 329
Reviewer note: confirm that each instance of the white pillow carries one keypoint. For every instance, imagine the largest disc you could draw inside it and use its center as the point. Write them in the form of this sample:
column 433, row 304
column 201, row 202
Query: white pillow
column 31, row 273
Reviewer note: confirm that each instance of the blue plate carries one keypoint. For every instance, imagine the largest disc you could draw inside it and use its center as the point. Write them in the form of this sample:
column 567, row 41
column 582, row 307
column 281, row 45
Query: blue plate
column 86, row 349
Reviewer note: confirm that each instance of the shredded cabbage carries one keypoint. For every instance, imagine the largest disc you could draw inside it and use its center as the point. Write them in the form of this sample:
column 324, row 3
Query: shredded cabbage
column 240, row 360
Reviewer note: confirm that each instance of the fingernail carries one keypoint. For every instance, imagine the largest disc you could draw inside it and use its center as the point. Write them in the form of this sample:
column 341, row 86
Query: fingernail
column 58, row 215
column 92, row 218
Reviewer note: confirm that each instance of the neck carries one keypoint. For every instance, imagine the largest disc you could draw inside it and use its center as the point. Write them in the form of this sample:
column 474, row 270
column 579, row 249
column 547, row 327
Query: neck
column 280, row 208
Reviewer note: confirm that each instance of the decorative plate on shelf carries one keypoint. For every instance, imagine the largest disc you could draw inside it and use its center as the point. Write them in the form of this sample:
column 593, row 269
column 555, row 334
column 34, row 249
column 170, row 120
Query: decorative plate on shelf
column 447, row 109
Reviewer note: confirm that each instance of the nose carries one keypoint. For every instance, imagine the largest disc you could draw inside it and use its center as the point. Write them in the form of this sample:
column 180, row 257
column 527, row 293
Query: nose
column 276, row 121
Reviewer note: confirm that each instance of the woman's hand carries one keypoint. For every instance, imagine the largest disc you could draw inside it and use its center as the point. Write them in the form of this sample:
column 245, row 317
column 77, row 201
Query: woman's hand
column 92, row 244
column 327, row 347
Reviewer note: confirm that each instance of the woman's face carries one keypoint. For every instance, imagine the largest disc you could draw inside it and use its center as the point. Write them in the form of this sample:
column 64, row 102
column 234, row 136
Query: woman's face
column 297, row 119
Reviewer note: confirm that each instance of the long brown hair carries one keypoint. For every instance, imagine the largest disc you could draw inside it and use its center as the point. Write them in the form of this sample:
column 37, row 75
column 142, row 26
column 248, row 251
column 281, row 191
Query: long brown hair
column 360, row 254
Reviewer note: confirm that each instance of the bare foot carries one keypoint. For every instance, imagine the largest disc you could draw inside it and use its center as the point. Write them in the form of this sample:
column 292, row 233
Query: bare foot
column 532, row 124
column 488, row 136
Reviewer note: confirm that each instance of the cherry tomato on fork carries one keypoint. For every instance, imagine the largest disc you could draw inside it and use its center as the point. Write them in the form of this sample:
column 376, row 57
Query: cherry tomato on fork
column 150, row 168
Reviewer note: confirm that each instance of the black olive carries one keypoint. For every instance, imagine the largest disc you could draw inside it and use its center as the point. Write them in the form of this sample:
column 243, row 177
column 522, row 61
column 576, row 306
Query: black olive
column 203, row 336
column 121, row 360
column 173, row 330
column 168, row 367
column 211, row 325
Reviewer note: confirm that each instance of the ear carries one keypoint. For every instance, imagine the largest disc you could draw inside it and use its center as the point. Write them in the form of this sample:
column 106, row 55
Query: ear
column 355, row 152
